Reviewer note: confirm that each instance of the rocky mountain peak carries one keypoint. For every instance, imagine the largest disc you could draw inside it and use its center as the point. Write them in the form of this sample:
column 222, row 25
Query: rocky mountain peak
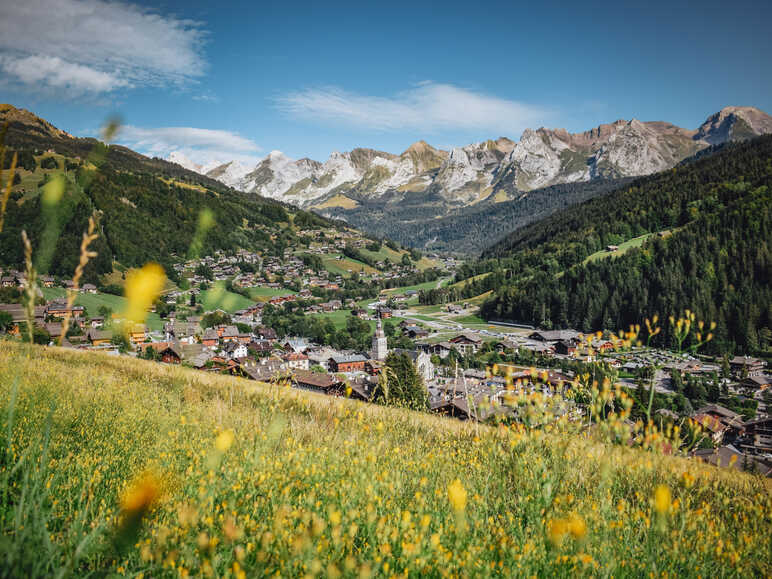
column 475, row 172
column 734, row 123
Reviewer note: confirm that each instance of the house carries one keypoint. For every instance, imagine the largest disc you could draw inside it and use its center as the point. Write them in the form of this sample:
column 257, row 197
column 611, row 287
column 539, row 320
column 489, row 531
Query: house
column 260, row 347
column 47, row 280
column 317, row 382
column 757, row 435
column 137, row 334
column 384, row 312
column 54, row 330
column 8, row 281
column 235, row 350
column 440, row 349
column 230, row 334
column 265, row 333
column 745, row 365
column 466, row 343
column 361, row 388
column 265, row 370
column 97, row 322
column 717, row 420
column 59, row 309
column 540, row 348
column 373, row 367
column 353, row 363
column 89, row 288
column 758, row 382
column 171, row 354
column 99, row 337
column 299, row 345
column 296, row 360
column 565, row 347
column 612, row 248
column 554, row 335
column 210, row 338
column 414, row 332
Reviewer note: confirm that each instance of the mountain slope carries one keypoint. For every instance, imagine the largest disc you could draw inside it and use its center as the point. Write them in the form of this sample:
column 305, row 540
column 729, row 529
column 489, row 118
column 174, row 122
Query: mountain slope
column 384, row 193
column 149, row 208
column 713, row 254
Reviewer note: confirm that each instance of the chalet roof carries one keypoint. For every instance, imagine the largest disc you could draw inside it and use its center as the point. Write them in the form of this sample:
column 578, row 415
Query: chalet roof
column 297, row 344
column 746, row 361
column 54, row 329
column 99, row 335
column 315, row 379
column 349, row 359
column 230, row 332
column 466, row 336
column 443, row 345
column 758, row 381
column 554, row 335
column 719, row 410
column 191, row 351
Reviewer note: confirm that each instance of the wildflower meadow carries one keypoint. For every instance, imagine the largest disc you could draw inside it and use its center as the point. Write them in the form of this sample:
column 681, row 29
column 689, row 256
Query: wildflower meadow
column 120, row 467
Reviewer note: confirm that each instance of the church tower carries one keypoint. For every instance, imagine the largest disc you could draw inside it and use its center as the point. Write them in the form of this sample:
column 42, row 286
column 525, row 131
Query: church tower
column 380, row 346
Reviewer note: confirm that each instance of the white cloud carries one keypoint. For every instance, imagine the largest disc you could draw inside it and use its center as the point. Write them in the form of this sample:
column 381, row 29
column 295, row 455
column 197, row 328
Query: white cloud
column 202, row 146
column 57, row 73
column 94, row 46
column 429, row 107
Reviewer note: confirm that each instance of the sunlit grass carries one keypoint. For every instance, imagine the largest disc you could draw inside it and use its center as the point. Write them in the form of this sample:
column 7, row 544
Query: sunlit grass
column 260, row 480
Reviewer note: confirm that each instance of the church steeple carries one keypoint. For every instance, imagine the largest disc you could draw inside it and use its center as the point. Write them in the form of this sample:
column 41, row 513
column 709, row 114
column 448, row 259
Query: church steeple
column 380, row 345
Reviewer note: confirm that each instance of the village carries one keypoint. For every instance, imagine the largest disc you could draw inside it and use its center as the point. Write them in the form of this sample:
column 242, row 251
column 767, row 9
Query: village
column 215, row 322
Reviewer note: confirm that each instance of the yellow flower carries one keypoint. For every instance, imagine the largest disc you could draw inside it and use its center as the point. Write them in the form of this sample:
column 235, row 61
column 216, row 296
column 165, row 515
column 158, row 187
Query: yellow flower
column 142, row 288
column 457, row 496
column 556, row 530
column 662, row 499
column 577, row 527
column 224, row 440
column 141, row 494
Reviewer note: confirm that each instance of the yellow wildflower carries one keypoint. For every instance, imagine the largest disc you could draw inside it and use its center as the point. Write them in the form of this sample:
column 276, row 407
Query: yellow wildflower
column 224, row 440
column 662, row 499
column 457, row 496
column 142, row 288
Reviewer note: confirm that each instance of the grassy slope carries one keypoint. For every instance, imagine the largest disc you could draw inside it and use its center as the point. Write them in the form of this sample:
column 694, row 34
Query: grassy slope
column 218, row 297
column 624, row 247
column 341, row 266
column 264, row 294
column 92, row 303
column 313, row 482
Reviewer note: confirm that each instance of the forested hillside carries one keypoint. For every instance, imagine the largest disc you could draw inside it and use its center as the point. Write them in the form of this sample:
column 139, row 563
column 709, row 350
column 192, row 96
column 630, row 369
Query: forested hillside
column 468, row 230
column 711, row 253
column 149, row 209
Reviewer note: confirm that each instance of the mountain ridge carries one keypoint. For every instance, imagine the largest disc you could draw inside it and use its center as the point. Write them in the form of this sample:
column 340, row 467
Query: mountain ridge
column 502, row 167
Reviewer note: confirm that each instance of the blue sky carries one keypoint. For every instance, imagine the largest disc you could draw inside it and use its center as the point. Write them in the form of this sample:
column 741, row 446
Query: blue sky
column 237, row 80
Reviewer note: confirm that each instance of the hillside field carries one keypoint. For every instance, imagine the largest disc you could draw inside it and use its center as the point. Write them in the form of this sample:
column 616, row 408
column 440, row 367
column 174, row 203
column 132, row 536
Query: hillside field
column 111, row 465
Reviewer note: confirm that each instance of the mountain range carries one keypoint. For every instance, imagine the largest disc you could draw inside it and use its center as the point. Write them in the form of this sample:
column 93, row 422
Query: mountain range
column 493, row 170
